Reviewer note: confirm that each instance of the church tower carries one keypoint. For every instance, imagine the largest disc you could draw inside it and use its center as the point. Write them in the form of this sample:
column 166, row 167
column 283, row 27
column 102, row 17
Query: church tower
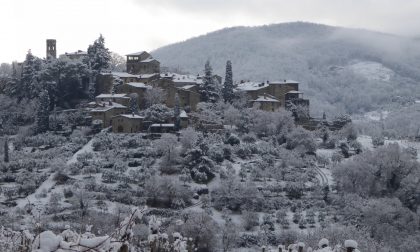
column 51, row 49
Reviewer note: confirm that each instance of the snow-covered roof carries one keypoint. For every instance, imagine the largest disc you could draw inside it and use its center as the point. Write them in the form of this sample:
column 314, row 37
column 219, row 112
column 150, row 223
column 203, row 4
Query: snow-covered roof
column 138, row 85
column 105, row 106
column 183, row 114
column 123, row 75
column 136, row 53
column 294, row 92
column 265, row 98
column 284, row 82
column 146, row 76
column 78, row 52
column 187, row 87
column 112, row 96
column 250, row 86
column 162, row 125
column 183, row 78
column 149, row 60
column 132, row 116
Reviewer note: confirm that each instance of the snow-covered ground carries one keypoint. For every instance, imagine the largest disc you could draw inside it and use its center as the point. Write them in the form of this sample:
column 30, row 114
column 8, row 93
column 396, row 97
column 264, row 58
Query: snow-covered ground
column 366, row 142
column 49, row 183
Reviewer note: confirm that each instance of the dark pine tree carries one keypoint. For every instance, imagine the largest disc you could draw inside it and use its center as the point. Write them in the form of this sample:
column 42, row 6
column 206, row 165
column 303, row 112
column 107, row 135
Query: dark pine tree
column 6, row 151
column 133, row 103
column 208, row 90
column 43, row 112
column 227, row 90
column 177, row 113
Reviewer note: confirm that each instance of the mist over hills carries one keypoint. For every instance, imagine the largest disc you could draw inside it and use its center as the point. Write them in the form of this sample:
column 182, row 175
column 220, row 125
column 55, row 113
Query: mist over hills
column 341, row 70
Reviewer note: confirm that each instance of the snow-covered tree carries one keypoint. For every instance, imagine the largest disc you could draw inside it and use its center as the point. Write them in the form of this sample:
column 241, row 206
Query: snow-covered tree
column 227, row 91
column 43, row 112
column 99, row 58
column 133, row 104
column 117, row 62
column 154, row 96
column 208, row 89
column 158, row 113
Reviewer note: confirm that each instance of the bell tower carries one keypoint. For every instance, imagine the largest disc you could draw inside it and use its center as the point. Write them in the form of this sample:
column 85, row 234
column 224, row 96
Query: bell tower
column 51, row 49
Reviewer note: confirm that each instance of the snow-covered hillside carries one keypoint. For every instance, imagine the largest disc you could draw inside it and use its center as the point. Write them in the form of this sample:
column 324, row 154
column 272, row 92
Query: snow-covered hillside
column 373, row 73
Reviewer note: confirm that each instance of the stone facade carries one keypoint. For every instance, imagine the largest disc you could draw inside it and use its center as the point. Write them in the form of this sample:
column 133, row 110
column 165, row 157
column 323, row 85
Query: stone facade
column 266, row 103
column 142, row 63
column 188, row 95
column 51, row 49
column 106, row 111
column 122, row 99
column 127, row 123
column 270, row 96
column 138, row 88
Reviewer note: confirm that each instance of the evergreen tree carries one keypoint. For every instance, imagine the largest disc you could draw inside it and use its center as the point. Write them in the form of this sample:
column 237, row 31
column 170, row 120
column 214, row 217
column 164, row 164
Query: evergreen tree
column 227, row 90
column 98, row 55
column 133, row 103
column 27, row 86
column 13, row 87
column 99, row 58
column 6, row 151
column 177, row 113
column 43, row 112
column 208, row 90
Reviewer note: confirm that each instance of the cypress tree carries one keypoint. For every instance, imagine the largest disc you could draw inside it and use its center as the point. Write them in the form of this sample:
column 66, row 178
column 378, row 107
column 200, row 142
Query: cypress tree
column 227, row 90
column 133, row 103
column 6, row 151
column 43, row 112
column 177, row 113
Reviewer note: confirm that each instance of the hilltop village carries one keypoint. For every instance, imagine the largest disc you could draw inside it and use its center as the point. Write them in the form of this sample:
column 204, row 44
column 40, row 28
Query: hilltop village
column 143, row 78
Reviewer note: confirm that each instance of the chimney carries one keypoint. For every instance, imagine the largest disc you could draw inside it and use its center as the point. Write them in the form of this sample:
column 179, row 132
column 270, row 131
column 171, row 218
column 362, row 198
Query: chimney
column 110, row 103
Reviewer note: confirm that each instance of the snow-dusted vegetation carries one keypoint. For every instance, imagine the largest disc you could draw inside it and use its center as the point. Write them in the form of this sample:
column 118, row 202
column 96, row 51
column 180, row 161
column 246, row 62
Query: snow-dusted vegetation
column 342, row 70
column 224, row 175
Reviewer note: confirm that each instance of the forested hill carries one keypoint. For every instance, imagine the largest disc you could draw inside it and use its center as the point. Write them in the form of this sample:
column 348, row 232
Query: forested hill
column 341, row 70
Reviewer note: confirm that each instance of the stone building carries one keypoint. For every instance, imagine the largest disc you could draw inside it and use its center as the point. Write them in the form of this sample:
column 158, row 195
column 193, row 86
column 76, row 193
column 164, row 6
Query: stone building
column 138, row 88
column 77, row 55
column 122, row 99
column 127, row 123
column 106, row 111
column 105, row 81
column 266, row 102
column 142, row 63
column 51, row 49
column 188, row 94
column 272, row 95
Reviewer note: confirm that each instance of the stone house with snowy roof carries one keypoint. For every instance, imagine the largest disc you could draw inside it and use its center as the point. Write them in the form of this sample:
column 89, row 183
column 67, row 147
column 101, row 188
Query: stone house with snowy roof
column 106, row 80
column 266, row 102
column 188, row 94
column 272, row 95
column 127, row 123
column 138, row 88
column 105, row 111
column 77, row 55
column 142, row 63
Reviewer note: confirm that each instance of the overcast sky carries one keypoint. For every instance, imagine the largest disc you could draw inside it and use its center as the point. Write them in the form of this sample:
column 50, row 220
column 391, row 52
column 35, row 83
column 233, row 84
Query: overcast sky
column 135, row 25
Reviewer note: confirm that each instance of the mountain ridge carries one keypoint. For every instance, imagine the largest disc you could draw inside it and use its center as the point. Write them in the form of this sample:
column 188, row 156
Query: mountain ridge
column 305, row 52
